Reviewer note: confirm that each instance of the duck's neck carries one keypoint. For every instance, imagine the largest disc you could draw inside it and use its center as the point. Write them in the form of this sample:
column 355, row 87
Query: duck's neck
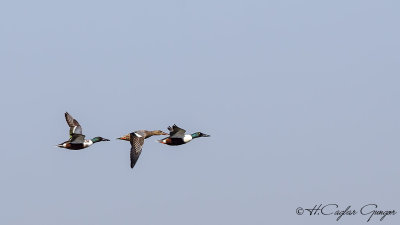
column 150, row 133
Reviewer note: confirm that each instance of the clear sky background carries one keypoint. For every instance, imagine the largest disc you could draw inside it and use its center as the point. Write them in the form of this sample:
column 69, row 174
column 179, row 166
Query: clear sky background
column 301, row 99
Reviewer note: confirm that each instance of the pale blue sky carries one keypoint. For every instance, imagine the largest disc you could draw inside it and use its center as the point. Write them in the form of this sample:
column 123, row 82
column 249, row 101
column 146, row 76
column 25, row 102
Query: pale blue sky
column 301, row 99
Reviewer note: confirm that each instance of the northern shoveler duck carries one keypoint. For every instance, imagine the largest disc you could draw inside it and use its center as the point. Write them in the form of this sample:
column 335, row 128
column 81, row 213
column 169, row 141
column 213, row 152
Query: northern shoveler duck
column 177, row 136
column 137, row 140
column 77, row 139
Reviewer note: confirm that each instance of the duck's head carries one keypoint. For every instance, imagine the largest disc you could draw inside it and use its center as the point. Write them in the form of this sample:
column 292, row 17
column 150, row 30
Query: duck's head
column 126, row 137
column 98, row 139
column 199, row 134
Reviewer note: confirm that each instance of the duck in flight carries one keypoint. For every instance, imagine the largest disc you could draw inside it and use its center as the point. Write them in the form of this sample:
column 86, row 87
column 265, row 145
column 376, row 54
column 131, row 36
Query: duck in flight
column 77, row 140
column 177, row 136
column 137, row 140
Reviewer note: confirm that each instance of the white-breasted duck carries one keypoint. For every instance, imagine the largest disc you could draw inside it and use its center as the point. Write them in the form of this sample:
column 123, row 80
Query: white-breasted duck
column 77, row 140
column 177, row 136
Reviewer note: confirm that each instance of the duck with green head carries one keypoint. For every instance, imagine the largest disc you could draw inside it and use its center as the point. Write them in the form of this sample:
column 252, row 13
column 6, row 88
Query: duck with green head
column 77, row 140
column 177, row 136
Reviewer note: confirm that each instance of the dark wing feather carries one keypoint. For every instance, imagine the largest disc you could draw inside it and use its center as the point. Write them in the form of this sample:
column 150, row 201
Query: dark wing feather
column 136, row 149
column 176, row 132
column 77, row 139
column 75, row 127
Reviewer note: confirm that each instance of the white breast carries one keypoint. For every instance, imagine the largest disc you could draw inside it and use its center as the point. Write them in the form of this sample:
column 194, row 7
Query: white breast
column 87, row 143
column 187, row 138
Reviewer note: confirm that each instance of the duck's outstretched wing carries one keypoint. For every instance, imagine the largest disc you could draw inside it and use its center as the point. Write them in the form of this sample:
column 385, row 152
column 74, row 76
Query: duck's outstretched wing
column 136, row 141
column 176, row 132
column 77, row 139
column 75, row 127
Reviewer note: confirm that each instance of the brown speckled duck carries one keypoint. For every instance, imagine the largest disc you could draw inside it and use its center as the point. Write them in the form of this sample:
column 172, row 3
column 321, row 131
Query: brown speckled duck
column 136, row 139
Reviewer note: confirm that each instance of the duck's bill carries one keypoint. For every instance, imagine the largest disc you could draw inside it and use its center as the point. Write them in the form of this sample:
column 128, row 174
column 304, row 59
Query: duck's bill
column 206, row 135
column 105, row 139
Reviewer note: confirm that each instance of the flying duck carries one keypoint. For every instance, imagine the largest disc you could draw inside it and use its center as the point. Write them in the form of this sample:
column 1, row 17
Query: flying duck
column 137, row 140
column 77, row 139
column 177, row 136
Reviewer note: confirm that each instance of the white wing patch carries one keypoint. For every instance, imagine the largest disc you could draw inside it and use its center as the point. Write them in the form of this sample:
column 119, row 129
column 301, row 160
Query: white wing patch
column 138, row 135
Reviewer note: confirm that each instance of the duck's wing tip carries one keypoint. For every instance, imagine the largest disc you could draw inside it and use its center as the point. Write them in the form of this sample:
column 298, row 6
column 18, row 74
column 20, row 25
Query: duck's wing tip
column 70, row 120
